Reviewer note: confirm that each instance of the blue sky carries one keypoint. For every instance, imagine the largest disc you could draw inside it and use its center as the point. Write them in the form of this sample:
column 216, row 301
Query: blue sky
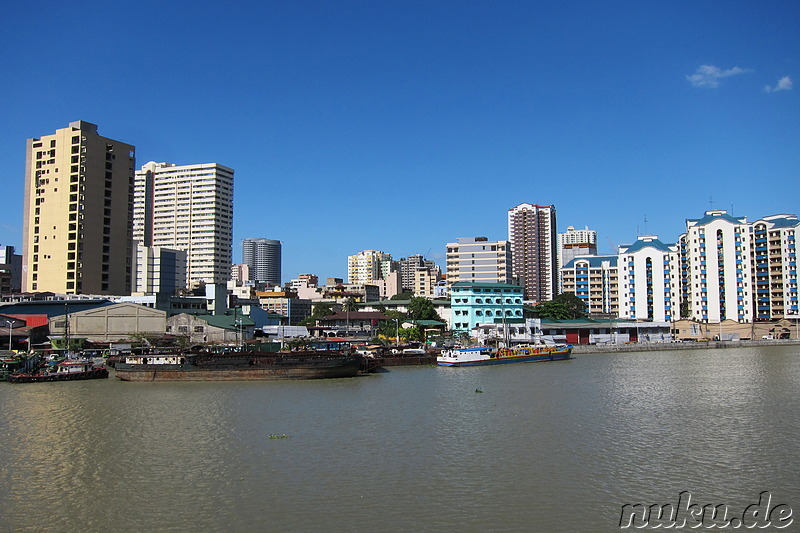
column 401, row 126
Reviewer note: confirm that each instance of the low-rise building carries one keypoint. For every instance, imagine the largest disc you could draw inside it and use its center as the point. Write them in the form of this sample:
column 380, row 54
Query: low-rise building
column 285, row 303
column 360, row 323
column 482, row 303
column 613, row 331
column 96, row 320
column 214, row 329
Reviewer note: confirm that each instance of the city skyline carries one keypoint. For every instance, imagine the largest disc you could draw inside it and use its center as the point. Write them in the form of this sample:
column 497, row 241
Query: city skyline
column 405, row 127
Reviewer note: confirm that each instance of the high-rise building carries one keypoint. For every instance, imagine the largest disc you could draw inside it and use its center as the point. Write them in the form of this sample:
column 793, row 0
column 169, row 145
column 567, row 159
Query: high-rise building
column 367, row 266
column 78, row 213
column 408, row 266
column 240, row 272
column 10, row 270
column 425, row 280
column 532, row 237
column 774, row 267
column 190, row 208
column 263, row 256
column 649, row 280
column 478, row 260
column 594, row 279
column 575, row 242
column 159, row 270
column 716, row 274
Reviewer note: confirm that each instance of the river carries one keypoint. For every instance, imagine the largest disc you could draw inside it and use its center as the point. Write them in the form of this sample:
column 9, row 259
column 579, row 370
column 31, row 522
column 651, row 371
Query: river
column 555, row 446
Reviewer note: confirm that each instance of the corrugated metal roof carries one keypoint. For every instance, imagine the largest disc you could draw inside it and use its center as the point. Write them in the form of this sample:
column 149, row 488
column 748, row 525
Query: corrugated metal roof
column 52, row 308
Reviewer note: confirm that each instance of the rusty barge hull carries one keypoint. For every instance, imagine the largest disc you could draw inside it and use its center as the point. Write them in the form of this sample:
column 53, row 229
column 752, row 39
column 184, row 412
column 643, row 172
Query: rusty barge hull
column 241, row 368
column 163, row 374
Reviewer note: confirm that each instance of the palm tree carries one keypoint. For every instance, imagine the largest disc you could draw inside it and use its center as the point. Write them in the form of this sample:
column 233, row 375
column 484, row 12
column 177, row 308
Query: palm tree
column 348, row 306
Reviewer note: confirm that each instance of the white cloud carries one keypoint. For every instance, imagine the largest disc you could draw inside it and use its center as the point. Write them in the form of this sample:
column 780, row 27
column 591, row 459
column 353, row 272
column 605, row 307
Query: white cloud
column 708, row 75
column 784, row 84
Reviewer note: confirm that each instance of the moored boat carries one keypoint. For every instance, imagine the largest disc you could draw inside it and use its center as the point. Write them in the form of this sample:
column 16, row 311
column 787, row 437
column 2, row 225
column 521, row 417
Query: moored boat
column 245, row 366
column 484, row 355
column 10, row 363
column 66, row 370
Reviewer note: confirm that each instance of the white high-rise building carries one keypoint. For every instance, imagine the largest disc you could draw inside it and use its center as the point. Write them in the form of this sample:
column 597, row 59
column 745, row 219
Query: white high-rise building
column 576, row 242
column 717, row 279
column 774, row 267
column 190, row 208
column 649, row 280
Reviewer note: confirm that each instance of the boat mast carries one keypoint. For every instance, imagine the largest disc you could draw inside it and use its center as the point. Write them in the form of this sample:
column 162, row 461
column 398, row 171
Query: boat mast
column 66, row 328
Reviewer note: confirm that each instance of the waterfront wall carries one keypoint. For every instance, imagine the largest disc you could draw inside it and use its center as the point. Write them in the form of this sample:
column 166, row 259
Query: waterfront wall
column 653, row 346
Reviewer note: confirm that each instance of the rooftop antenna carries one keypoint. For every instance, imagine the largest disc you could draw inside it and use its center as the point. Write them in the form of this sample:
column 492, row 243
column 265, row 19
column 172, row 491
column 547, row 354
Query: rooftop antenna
column 645, row 224
column 711, row 202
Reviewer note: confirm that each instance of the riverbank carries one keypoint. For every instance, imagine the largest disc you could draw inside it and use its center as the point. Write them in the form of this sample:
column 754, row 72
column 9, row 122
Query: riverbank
column 581, row 349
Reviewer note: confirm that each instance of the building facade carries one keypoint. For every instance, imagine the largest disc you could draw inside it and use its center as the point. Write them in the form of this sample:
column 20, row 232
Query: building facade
column 408, row 266
column 573, row 243
column 532, row 238
column 595, row 280
column 472, row 304
column 78, row 213
column 263, row 256
column 10, row 270
column 188, row 208
column 774, row 267
column 649, row 275
column 478, row 260
column 285, row 304
column 425, row 282
column 368, row 266
column 159, row 270
column 716, row 273
column 240, row 272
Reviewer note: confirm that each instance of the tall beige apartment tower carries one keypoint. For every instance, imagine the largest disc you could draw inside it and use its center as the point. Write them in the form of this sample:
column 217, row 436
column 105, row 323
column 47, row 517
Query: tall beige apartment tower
column 78, row 213
column 189, row 208
column 532, row 236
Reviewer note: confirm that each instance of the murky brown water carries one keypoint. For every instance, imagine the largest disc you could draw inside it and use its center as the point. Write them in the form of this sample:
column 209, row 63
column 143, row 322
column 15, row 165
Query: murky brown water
column 543, row 447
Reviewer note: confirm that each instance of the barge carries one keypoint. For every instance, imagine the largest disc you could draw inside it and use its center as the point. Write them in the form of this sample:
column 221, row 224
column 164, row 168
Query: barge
column 239, row 366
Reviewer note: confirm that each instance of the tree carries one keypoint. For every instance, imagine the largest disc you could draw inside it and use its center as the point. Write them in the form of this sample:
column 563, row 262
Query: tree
column 552, row 310
column 350, row 305
column 422, row 309
column 320, row 311
column 403, row 296
column 388, row 328
column 575, row 305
